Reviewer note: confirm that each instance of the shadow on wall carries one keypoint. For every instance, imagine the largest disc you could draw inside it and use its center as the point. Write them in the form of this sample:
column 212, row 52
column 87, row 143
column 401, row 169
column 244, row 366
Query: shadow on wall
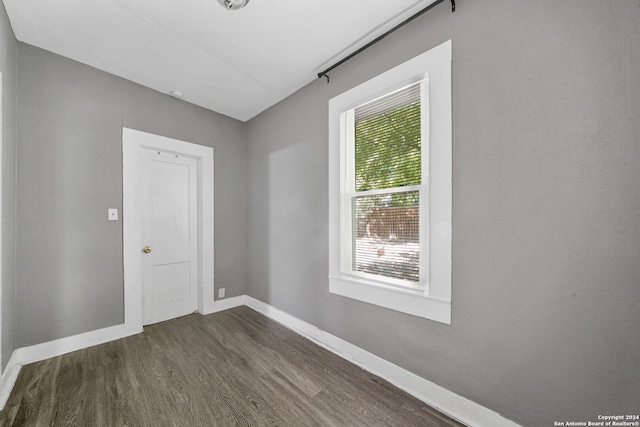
column 297, row 228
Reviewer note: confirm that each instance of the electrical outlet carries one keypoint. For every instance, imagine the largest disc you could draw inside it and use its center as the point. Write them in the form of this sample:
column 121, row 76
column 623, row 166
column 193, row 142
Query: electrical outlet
column 113, row 214
column 221, row 293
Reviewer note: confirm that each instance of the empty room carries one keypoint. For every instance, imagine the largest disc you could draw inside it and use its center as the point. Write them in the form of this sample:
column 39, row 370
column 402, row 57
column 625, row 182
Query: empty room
column 320, row 213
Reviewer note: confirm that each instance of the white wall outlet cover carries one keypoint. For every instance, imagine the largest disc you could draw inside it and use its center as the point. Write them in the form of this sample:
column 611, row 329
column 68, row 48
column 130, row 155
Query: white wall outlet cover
column 113, row 214
column 221, row 292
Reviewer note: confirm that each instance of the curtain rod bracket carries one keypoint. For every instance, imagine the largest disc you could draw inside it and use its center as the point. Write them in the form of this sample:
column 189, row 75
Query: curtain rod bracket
column 324, row 75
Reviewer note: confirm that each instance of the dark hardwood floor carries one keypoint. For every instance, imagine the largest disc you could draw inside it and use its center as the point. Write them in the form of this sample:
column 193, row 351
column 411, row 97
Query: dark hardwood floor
column 231, row 368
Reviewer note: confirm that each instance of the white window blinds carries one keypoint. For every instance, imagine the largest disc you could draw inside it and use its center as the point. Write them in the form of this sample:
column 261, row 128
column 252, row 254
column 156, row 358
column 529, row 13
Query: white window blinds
column 387, row 178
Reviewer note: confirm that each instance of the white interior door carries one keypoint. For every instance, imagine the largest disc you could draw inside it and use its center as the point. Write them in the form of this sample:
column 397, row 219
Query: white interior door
column 169, row 235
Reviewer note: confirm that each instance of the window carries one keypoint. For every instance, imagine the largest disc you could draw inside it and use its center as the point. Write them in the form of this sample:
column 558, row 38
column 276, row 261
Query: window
column 390, row 188
column 384, row 199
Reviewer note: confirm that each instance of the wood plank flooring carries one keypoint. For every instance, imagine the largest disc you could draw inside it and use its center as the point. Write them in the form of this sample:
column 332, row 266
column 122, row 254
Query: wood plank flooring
column 233, row 368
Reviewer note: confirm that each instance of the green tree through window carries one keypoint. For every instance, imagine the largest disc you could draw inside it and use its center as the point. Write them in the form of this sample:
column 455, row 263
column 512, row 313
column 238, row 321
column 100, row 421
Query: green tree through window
column 388, row 152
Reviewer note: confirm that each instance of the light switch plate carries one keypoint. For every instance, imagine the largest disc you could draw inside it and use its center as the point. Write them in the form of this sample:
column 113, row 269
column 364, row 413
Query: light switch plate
column 113, row 214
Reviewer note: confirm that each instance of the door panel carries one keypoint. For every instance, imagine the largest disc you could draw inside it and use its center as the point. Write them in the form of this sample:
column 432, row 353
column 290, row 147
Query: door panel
column 164, row 277
column 171, row 219
column 169, row 229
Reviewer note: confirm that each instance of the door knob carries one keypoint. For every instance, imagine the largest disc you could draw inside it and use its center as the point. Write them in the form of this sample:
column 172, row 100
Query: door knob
column 146, row 249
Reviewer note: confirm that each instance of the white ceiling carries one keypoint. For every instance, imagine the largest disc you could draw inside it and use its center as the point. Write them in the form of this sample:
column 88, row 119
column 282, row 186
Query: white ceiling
column 237, row 63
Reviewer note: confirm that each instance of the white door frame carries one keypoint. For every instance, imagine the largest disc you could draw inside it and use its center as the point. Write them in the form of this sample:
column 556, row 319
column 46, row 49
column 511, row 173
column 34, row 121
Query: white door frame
column 133, row 142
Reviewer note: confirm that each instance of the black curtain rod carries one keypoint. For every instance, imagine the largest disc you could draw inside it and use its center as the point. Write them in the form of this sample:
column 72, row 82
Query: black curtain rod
column 377, row 39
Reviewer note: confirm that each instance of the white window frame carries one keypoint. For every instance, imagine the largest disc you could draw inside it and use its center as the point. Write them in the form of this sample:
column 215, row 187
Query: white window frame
column 431, row 297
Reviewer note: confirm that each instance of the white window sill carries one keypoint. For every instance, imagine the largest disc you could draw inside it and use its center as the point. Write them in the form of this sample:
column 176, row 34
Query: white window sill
column 407, row 301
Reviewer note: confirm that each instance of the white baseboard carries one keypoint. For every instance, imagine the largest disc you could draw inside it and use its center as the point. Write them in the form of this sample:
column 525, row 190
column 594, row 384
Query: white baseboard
column 456, row 406
column 224, row 304
column 8, row 379
column 47, row 350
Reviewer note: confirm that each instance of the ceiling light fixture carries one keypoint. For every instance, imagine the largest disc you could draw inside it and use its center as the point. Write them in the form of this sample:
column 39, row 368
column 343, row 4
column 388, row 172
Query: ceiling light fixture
column 233, row 4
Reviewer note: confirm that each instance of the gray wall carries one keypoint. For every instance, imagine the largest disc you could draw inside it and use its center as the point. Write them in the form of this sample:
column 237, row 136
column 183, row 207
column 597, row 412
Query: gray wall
column 8, row 64
column 69, row 256
column 546, row 271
